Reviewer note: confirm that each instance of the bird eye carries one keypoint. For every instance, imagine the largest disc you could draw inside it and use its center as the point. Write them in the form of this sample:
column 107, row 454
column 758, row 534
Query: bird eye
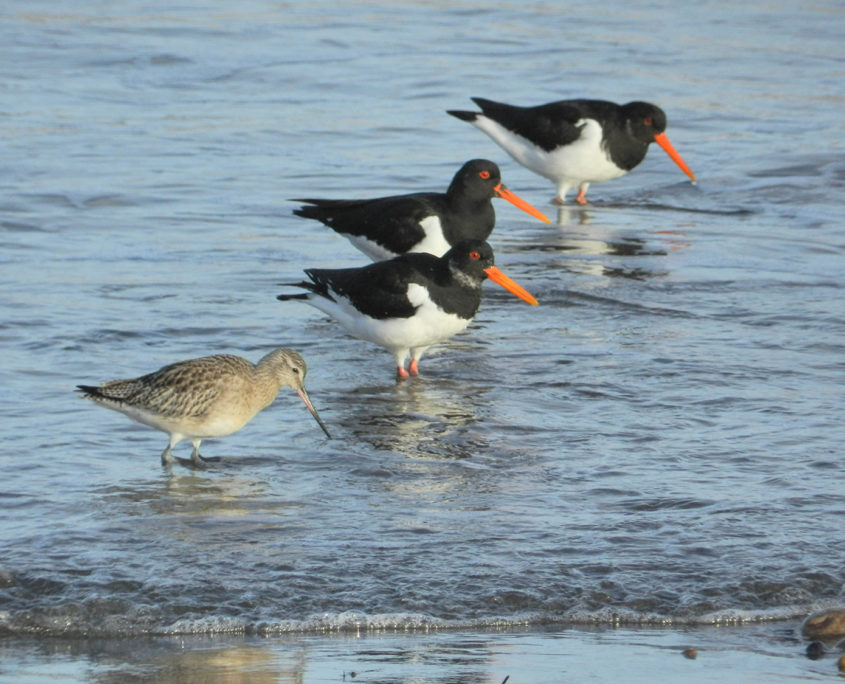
column 484, row 174
column 296, row 370
column 475, row 256
column 648, row 121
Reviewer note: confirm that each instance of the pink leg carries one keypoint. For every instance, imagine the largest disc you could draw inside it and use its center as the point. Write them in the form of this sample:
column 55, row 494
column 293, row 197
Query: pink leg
column 401, row 372
column 414, row 367
column 581, row 197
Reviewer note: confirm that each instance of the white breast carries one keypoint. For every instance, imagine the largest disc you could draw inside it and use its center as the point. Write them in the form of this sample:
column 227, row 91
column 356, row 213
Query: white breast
column 582, row 161
column 429, row 325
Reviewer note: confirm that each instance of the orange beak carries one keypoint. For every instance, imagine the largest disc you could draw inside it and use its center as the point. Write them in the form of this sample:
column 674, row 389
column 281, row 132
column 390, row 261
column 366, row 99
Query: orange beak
column 500, row 278
column 663, row 141
column 504, row 193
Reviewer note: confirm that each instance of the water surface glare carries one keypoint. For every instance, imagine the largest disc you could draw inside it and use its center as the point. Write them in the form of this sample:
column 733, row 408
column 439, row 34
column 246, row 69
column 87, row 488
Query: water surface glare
column 660, row 441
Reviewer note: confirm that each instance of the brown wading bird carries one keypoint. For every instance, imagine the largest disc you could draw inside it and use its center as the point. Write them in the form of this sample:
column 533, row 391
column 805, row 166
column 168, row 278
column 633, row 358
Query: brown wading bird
column 212, row 396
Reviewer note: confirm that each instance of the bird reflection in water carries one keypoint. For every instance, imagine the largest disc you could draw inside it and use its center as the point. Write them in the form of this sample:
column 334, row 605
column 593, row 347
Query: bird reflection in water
column 232, row 663
column 419, row 419
column 573, row 216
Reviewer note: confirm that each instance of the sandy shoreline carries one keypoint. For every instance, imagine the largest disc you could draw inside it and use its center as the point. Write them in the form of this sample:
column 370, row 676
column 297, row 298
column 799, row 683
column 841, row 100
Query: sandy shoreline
column 771, row 651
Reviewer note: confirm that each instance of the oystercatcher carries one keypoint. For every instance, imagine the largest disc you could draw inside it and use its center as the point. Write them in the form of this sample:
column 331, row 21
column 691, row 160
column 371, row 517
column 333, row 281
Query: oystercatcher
column 212, row 396
column 431, row 222
column 408, row 303
column 575, row 142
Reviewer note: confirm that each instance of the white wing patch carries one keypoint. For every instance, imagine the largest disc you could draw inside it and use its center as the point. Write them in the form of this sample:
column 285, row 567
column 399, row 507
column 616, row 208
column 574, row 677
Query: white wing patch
column 372, row 249
column 434, row 242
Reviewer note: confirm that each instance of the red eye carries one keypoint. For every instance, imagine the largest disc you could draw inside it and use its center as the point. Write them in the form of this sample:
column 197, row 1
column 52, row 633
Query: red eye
column 475, row 256
column 648, row 121
column 484, row 174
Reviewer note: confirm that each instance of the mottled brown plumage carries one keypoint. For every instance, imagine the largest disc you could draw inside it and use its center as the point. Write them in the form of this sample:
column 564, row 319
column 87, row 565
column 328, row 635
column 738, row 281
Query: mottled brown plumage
column 212, row 396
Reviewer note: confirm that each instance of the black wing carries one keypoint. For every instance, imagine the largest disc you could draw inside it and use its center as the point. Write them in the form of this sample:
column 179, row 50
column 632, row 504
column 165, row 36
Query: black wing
column 379, row 290
column 392, row 222
column 549, row 125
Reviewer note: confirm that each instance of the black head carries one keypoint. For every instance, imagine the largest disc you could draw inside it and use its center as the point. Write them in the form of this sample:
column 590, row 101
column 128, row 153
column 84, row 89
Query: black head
column 478, row 177
column 470, row 257
column 644, row 120
column 471, row 262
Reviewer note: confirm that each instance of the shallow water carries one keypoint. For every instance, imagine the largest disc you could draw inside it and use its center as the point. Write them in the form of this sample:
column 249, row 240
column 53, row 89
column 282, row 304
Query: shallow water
column 642, row 655
column 659, row 441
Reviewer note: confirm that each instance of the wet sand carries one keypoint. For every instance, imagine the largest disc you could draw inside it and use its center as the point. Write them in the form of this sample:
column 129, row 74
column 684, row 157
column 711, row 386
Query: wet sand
column 769, row 651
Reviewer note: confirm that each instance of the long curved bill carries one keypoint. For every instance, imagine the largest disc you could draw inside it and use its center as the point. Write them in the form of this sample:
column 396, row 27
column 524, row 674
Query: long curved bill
column 517, row 201
column 663, row 141
column 514, row 288
column 304, row 396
